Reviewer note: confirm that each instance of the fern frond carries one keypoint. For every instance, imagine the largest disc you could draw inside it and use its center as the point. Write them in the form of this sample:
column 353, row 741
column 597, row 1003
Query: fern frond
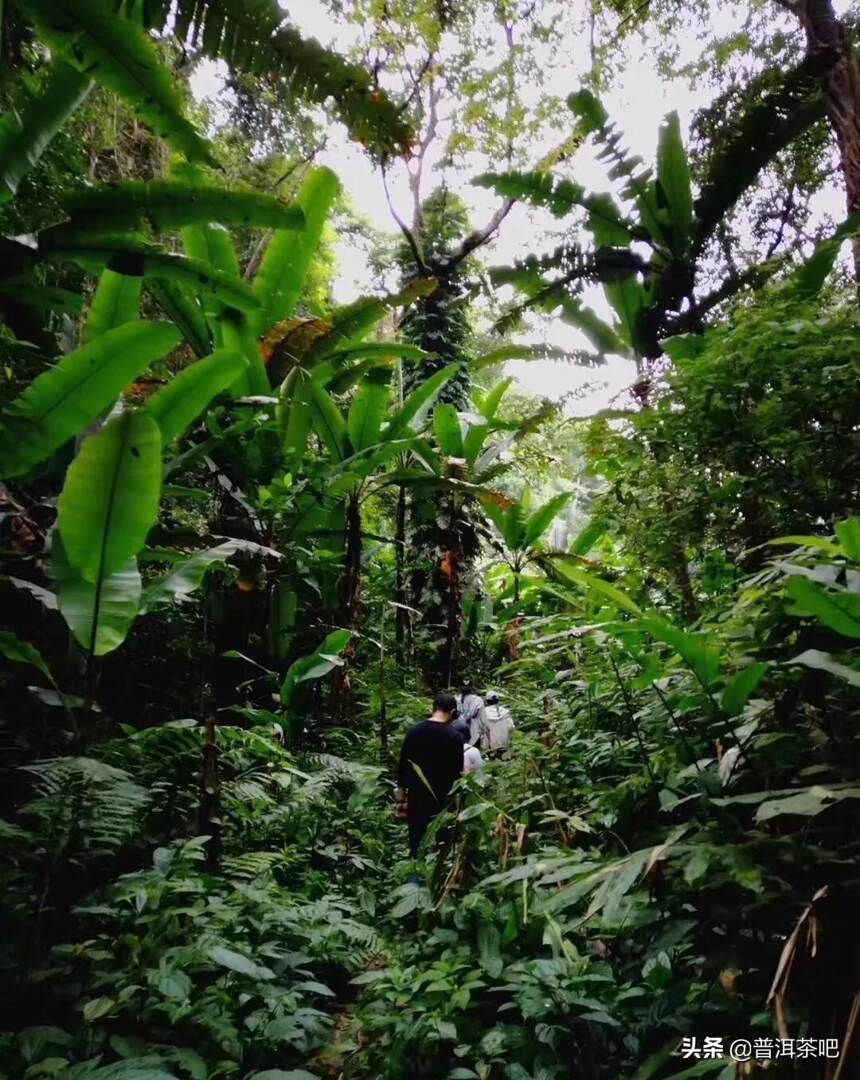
column 252, row 36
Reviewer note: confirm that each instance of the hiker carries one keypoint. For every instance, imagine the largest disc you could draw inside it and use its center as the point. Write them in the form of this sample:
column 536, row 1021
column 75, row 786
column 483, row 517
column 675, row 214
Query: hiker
column 431, row 761
column 498, row 725
column 472, row 760
column 470, row 715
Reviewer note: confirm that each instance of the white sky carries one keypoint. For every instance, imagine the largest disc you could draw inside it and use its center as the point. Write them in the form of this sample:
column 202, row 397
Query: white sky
column 637, row 103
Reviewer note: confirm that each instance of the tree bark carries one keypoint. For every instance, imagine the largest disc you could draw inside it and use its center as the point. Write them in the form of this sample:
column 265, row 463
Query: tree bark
column 401, row 617
column 829, row 46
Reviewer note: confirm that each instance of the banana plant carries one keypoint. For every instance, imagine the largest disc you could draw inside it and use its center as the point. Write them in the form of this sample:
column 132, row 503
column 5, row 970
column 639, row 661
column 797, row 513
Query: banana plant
column 653, row 295
column 521, row 530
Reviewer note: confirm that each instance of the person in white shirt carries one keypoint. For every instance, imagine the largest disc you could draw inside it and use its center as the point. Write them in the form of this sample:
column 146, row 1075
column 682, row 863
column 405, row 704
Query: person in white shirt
column 470, row 715
column 498, row 725
column 472, row 759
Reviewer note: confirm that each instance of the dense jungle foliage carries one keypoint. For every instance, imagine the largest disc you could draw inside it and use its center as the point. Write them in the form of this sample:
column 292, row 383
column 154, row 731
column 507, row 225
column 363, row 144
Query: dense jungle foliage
column 247, row 532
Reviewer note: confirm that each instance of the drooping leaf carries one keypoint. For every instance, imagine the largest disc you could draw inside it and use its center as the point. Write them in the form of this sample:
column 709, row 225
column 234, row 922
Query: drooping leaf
column 99, row 617
column 22, row 652
column 188, row 393
column 235, row 961
column 24, row 137
column 109, row 500
column 848, row 535
column 115, row 51
column 279, row 280
column 823, row 661
column 135, row 257
column 739, row 688
column 172, row 204
column 839, row 611
column 694, row 649
column 63, row 400
column 568, row 570
column 184, row 311
column 316, row 665
column 186, row 576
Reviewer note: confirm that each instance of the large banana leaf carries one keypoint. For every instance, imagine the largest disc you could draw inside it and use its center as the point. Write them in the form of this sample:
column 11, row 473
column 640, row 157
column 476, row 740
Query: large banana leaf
column 117, row 52
column 316, row 665
column 295, row 415
column 62, row 401
column 367, row 410
column 281, row 275
column 413, row 413
column 236, row 333
column 673, row 179
column 184, row 311
column 24, row 136
column 109, row 501
column 188, row 394
column 538, row 522
column 98, row 615
column 327, row 421
column 116, row 301
column 133, row 256
column 171, row 204
column 449, row 435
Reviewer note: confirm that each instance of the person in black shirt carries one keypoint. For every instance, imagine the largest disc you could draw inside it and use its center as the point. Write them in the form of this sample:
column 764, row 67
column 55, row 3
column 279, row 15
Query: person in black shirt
column 431, row 761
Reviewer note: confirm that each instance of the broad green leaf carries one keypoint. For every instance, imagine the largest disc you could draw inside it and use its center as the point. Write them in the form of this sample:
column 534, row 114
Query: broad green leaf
column 848, row 535
column 694, row 649
column 135, row 257
column 839, row 611
column 673, row 179
column 384, row 349
column 415, row 408
column 321, row 661
column 62, row 401
column 806, row 802
column 449, row 435
column 237, row 334
column 490, row 405
column 178, row 585
column 172, row 204
column 23, row 290
column 538, row 522
column 281, row 275
column 99, row 618
column 569, row 571
column 109, row 501
column 628, row 301
column 117, row 52
column 585, row 540
column 823, row 661
column 295, row 415
column 25, row 136
column 817, row 542
column 184, row 311
column 235, row 961
column 367, row 410
column 519, row 352
column 22, row 652
column 810, row 276
column 174, row 984
column 739, row 688
column 599, row 333
column 189, row 392
column 115, row 302
column 588, row 109
column 327, row 420
column 98, row 1007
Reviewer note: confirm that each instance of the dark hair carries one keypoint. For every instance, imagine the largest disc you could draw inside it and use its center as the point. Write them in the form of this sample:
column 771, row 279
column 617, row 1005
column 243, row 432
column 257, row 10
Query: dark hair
column 446, row 703
column 467, row 688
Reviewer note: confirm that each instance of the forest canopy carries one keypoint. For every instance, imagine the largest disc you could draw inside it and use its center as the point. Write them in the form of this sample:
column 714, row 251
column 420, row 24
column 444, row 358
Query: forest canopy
column 494, row 362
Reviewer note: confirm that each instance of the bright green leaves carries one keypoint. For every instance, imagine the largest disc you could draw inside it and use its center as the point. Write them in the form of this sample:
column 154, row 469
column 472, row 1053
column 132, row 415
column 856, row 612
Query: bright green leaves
column 24, row 137
column 189, row 392
column 110, row 498
column 327, row 421
column 279, row 280
column 739, row 687
column 449, row 434
column 673, row 184
column 840, row 611
column 368, row 408
column 411, row 416
column 317, row 665
column 62, row 401
column 694, row 649
column 101, row 614
column 539, row 521
column 90, row 36
column 116, row 301
column 172, row 204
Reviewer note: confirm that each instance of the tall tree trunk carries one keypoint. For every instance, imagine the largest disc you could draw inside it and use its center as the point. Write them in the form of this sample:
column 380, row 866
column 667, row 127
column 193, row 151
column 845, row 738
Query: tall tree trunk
column 401, row 617
column 829, row 45
column 209, row 811
column 349, row 595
